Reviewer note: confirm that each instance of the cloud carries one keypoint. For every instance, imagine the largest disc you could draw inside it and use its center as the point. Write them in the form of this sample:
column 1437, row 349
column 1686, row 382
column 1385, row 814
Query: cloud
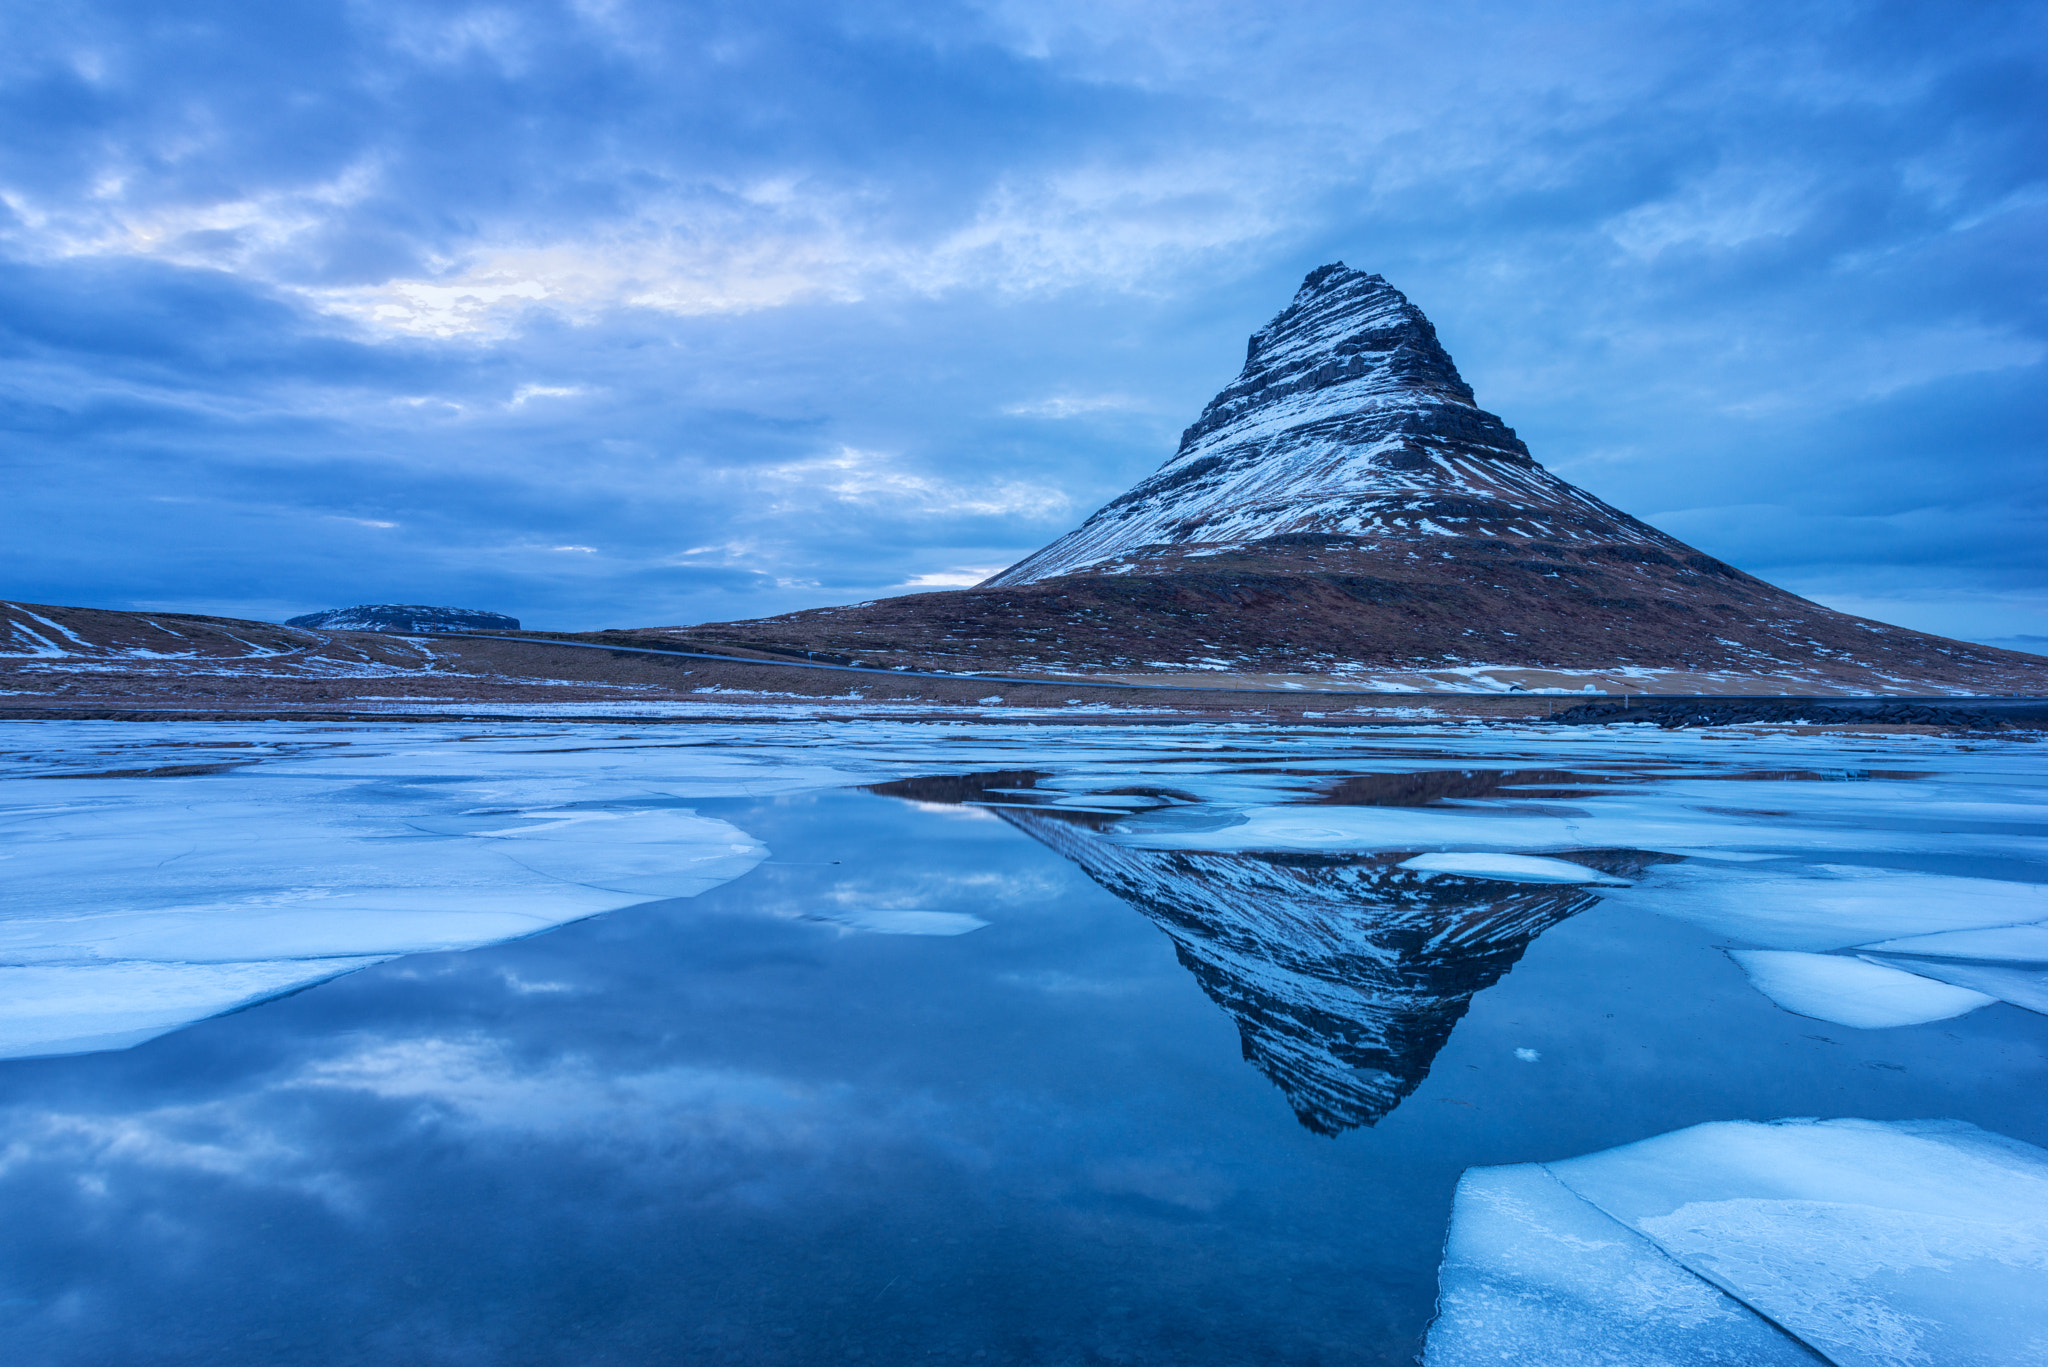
column 1069, row 406
column 871, row 479
column 525, row 392
column 960, row 578
column 1727, row 208
column 784, row 279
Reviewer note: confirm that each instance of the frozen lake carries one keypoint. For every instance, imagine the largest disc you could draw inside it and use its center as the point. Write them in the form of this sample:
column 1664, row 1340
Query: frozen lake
column 983, row 1042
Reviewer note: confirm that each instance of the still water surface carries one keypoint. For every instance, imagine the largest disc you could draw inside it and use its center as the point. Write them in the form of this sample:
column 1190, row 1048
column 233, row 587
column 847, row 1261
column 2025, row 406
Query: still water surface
column 953, row 1076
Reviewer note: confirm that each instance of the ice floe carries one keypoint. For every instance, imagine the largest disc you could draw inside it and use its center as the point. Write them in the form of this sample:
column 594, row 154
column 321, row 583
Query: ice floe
column 2020, row 986
column 136, row 905
column 1827, row 906
column 1912, row 935
column 1752, row 862
column 2009, row 962
column 1509, row 868
column 1871, row 1244
column 1674, row 817
column 1532, row 1274
column 1853, row 992
column 78, row 1008
column 2016, row 944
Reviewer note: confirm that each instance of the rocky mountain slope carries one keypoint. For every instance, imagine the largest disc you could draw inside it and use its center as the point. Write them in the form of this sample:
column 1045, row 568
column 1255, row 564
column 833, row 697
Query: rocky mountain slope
column 1345, row 508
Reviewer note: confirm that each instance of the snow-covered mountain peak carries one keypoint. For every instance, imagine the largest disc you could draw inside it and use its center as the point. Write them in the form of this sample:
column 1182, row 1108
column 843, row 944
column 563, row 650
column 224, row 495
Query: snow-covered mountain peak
column 1349, row 419
column 1347, row 338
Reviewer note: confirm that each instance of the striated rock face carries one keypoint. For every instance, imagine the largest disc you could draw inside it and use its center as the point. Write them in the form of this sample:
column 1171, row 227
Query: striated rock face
column 1344, row 508
column 1348, row 421
column 403, row 617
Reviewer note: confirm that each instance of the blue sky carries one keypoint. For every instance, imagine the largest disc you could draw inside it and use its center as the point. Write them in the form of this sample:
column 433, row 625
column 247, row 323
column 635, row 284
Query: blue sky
column 612, row 313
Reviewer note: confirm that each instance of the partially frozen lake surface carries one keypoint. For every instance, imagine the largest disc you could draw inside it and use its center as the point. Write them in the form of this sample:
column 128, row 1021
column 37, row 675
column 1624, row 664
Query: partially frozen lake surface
column 801, row 1040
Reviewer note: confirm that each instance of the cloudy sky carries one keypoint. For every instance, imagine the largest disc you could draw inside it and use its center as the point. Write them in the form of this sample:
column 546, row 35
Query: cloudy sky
column 615, row 312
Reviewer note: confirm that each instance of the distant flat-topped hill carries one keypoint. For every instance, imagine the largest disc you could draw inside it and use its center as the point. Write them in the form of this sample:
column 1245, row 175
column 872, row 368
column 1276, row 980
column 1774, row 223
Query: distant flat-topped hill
column 404, row 617
column 1344, row 508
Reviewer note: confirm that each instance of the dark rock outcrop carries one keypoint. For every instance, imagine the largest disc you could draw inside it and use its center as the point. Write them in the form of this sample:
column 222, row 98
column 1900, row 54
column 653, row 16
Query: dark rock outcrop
column 404, row 617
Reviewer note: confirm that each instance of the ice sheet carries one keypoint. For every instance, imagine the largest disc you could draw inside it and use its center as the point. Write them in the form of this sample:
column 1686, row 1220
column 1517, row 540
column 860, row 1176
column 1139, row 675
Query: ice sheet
column 1509, row 868
column 1852, row 992
column 2027, row 987
column 1825, row 906
column 1532, row 1274
column 1903, row 1242
column 76, row 1009
column 1874, row 1244
column 136, row 905
column 2014, row 944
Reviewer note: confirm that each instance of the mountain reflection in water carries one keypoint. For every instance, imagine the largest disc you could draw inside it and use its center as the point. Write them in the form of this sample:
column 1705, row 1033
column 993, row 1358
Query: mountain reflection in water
column 1345, row 973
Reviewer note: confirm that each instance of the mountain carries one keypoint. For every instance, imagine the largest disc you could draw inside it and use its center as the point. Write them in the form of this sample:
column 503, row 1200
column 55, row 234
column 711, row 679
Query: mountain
column 1349, row 423
column 403, row 617
column 1345, row 508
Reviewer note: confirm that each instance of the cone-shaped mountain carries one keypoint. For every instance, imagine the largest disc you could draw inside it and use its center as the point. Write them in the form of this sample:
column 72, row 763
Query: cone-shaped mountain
column 1349, row 424
column 1345, row 507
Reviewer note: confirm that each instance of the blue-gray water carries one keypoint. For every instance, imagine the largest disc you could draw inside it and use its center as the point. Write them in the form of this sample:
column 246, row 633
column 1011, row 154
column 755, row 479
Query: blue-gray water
column 738, row 1129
